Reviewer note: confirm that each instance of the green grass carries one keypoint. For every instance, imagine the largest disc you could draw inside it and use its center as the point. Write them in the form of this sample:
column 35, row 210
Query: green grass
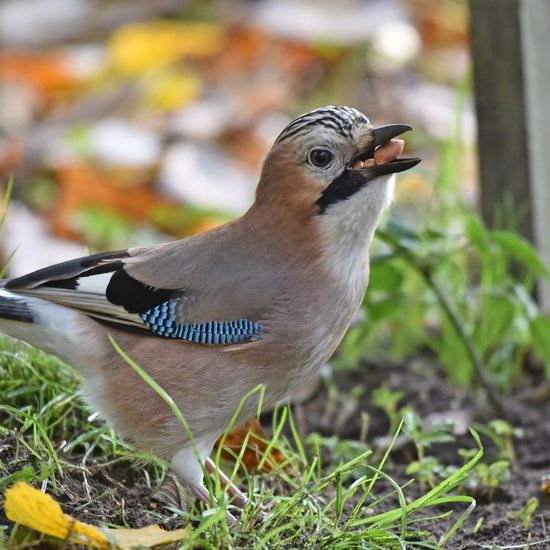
column 52, row 437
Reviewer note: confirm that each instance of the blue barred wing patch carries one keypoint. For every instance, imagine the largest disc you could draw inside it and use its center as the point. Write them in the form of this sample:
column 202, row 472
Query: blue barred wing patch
column 162, row 320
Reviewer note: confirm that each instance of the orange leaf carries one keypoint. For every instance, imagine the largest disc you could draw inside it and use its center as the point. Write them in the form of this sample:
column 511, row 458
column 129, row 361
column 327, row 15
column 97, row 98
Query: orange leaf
column 45, row 71
column 255, row 448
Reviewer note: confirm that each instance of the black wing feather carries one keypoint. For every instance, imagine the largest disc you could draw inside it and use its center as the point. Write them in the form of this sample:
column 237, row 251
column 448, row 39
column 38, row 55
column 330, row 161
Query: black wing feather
column 84, row 266
column 122, row 290
column 133, row 296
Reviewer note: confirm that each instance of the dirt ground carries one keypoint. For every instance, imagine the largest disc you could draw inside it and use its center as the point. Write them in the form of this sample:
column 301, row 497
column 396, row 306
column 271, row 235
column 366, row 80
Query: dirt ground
column 118, row 493
column 424, row 388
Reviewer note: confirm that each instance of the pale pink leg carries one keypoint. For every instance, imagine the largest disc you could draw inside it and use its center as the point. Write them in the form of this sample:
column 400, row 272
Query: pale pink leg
column 201, row 493
column 190, row 473
column 232, row 489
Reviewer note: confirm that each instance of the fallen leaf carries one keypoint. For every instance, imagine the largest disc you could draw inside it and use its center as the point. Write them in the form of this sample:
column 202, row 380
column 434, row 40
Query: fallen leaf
column 44, row 71
column 32, row 508
column 139, row 47
column 441, row 24
column 149, row 536
column 39, row 511
column 242, row 53
column 172, row 89
column 255, row 448
column 248, row 49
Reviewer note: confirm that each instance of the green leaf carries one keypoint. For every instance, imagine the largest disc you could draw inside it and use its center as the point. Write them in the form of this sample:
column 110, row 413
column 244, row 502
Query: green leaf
column 26, row 473
column 452, row 353
column 520, row 250
column 497, row 315
column 526, row 513
column 476, row 232
column 385, row 277
column 412, row 425
column 381, row 310
column 502, row 427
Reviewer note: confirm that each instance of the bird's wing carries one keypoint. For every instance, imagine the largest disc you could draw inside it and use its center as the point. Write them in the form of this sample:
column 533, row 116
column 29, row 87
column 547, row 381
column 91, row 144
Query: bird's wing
column 105, row 287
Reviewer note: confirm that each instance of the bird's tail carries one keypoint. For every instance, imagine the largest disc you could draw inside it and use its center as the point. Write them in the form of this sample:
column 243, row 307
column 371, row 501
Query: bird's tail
column 51, row 327
column 14, row 308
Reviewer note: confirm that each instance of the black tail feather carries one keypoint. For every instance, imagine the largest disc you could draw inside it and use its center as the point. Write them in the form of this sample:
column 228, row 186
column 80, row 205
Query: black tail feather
column 14, row 308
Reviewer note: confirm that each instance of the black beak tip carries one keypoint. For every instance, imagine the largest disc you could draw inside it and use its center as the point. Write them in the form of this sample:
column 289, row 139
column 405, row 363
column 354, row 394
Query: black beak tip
column 383, row 134
column 411, row 162
column 399, row 165
column 404, row 128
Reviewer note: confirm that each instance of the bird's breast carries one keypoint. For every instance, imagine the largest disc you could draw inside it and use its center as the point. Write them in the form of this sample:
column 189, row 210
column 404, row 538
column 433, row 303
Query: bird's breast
column 308, row 331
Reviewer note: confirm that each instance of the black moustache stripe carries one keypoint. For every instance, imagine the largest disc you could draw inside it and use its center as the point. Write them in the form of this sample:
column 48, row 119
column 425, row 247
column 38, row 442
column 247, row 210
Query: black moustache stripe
column 341, row 188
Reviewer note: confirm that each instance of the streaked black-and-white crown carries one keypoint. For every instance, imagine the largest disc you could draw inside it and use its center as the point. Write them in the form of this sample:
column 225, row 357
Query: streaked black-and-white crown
column 340, row 118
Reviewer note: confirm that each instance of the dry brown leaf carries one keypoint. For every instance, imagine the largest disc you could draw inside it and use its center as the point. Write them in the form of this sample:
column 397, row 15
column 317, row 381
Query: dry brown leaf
column 249, row 49
column 149, row 536
column 243, row 51
column 441, row 24
column 255, row 448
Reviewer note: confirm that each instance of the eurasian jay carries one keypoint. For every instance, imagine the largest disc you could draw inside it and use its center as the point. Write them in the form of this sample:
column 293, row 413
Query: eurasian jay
column 264, row 299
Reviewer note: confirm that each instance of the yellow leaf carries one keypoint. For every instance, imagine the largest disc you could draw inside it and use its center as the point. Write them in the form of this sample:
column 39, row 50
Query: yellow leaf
column 32, row 508
column 136, row 48
column 172, row 89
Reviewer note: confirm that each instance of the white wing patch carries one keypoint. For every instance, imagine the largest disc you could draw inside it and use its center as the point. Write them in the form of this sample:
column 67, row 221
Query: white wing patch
column 89, row 297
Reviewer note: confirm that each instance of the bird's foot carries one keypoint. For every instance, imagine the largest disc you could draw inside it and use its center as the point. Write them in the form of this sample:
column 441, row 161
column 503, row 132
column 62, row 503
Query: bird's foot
column 240, row 498
column 201, row 493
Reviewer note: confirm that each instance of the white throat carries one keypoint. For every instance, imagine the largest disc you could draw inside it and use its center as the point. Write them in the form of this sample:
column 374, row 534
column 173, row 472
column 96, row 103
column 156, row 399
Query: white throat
column 347, row 229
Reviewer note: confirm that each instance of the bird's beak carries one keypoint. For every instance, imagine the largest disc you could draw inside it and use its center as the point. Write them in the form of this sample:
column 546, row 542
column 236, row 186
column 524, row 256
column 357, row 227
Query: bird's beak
column 381, row 136
column 363, row 169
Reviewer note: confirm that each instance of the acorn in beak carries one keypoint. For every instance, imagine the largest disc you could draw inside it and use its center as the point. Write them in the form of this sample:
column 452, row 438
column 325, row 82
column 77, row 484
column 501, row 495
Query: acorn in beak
column 381, row 158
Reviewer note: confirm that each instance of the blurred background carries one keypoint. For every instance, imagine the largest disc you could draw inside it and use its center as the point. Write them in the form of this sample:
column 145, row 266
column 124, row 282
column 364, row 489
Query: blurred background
column 130, row 122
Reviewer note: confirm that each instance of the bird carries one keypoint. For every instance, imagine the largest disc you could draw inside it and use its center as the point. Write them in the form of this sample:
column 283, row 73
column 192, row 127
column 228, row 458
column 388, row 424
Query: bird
column 263, row 300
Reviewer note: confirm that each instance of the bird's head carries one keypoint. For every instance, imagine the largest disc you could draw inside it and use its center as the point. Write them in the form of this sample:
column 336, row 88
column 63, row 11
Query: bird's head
column 331, row 164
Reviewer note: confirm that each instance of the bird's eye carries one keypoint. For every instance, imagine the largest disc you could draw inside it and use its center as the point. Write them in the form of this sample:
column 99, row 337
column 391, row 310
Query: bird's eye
column 320, row 158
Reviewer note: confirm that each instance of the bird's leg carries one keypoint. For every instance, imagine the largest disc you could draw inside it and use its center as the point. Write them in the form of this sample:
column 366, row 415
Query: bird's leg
column 190, row 474
column 240, row 498
column 200, row 492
